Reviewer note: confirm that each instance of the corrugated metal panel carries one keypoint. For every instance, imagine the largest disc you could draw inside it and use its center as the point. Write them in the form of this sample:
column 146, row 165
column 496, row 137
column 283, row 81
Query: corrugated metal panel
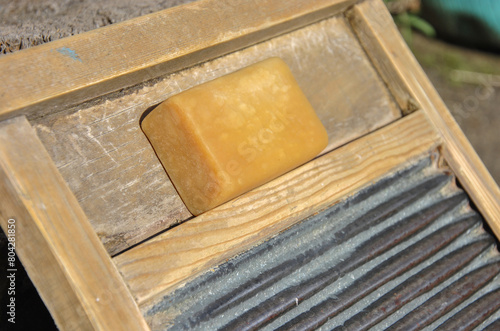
column 405, row 253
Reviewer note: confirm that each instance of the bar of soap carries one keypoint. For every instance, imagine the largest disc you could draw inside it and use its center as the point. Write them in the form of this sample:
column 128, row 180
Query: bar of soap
column 225, row 137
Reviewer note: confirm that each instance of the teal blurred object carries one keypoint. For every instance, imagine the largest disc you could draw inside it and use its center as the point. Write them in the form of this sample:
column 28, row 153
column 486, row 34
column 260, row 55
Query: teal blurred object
column 470, row 22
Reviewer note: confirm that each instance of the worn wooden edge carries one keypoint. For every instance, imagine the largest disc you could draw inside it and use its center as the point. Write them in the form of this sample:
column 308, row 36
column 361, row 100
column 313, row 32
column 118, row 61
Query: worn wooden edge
column 50, row 77
column 377, row 33
column 60, row 251
column 389, row 73
column 167, row 261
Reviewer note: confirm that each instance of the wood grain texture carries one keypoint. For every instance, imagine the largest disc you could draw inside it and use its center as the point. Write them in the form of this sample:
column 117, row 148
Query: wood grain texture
column 168, row 260
column 382, row 41
column 388, row 71
column 110, row 166
column 59, row 249
column 50, row 77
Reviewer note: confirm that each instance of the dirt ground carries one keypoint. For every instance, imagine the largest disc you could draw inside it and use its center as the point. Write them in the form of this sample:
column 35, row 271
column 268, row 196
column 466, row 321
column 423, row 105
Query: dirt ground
column 469, row 84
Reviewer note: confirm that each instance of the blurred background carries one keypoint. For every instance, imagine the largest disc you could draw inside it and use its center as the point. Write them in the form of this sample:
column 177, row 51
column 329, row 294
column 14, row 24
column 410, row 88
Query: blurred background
column 457, row 42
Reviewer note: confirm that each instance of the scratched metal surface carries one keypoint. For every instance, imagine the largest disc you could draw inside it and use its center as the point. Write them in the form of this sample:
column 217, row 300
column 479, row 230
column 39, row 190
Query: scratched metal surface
column 406, row 253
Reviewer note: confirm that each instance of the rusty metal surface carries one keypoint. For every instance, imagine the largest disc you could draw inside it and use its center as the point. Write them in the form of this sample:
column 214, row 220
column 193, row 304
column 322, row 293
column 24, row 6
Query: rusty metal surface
column 406, row 253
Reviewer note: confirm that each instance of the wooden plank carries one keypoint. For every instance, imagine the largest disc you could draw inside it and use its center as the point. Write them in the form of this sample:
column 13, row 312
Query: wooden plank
column 74, row 275
column 168, row 260
column 372, row 23
column 110, row 166
column 65, row 72
column 389, row 73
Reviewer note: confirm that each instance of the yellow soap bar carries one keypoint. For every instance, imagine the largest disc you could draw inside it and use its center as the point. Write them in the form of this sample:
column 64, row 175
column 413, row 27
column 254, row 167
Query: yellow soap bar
column 227, row 136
